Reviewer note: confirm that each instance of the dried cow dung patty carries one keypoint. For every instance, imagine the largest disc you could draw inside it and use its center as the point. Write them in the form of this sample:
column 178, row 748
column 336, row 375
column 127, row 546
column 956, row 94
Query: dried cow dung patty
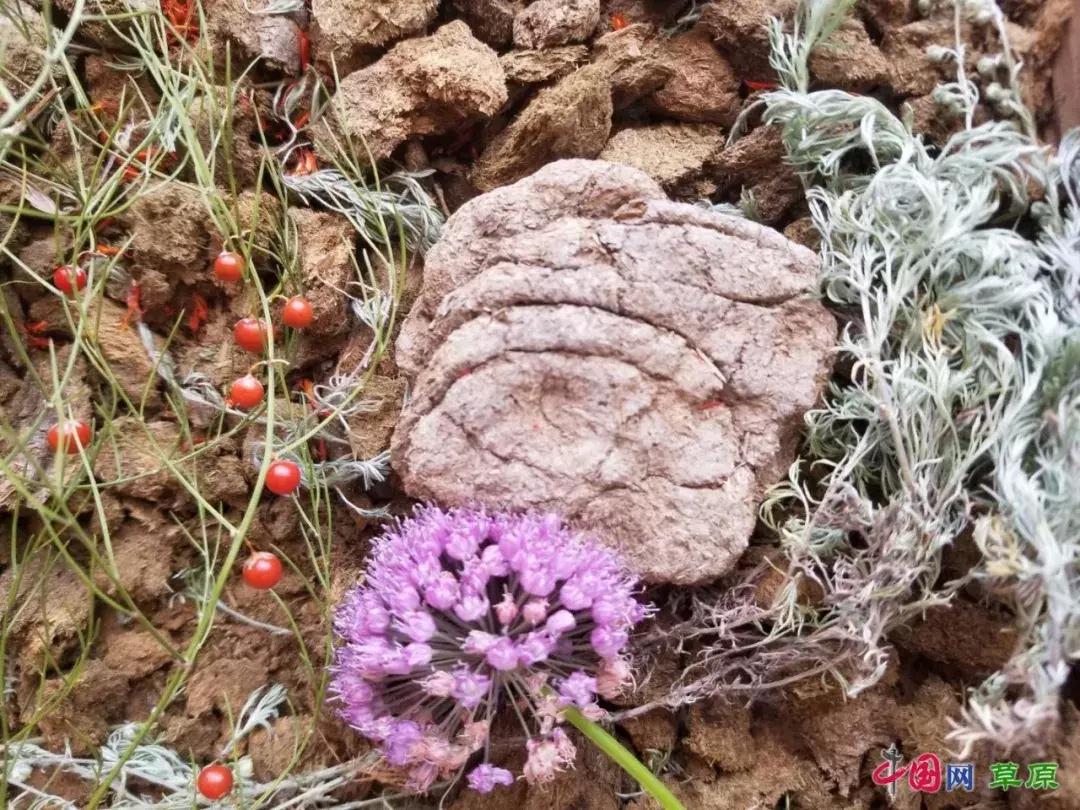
column 584, row 345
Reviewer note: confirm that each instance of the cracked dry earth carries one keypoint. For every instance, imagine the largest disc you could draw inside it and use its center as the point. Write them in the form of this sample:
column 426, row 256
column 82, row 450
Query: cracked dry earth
column 579, row 337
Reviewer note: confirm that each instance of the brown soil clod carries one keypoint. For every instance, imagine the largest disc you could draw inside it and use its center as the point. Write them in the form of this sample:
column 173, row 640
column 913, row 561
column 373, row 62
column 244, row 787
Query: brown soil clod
column 548, row 23
column 737, row 28
column 537, row 67
column 420, row 87
column 82, row 707
column 327, row 244
column 344, row 31
column 633, row 60
column 674, row 155
column 849, row 60
column 223, row 686
column 56, row 608
column 272, row 40
column 572, row 118
column 491, row 21
column 703, row 87
column 108, row 325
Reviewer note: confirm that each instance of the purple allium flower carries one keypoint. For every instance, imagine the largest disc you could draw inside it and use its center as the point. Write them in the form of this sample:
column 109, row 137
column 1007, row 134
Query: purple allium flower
column 463, row 612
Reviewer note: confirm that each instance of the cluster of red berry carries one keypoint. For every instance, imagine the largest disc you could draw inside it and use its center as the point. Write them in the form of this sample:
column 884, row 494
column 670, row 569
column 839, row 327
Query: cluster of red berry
column 253, row 335
column 74, row 434
column 70, row 435
column 263, row 569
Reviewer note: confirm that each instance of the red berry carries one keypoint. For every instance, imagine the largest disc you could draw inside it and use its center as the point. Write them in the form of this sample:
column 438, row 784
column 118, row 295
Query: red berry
column 246, row 392
column 283, row 477
column 76, row 435
column 68, row 279
column 251, row 334
column 297, row 313
column 228, row 266
column 262, row 570
column 215, row 781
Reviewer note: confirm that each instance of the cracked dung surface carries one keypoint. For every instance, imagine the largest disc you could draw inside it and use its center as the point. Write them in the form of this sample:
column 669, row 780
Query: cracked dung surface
column 641, row 366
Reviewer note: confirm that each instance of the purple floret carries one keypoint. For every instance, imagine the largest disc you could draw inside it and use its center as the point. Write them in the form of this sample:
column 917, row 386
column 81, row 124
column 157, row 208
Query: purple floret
column 485, row 777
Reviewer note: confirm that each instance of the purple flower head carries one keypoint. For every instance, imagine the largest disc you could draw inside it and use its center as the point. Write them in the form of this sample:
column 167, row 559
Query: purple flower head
column 462, row 612
column 472, row 607
column 439, row 684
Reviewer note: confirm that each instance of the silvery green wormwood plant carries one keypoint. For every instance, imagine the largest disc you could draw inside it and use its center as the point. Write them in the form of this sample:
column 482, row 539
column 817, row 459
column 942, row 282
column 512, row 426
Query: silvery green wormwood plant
column 957, row 409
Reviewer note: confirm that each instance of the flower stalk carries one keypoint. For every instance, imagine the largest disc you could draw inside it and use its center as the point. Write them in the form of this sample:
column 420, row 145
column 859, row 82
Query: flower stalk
column 621, row 756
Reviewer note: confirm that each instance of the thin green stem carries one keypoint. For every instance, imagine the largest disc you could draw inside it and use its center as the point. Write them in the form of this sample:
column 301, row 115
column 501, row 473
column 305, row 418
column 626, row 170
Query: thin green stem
column 621, row 756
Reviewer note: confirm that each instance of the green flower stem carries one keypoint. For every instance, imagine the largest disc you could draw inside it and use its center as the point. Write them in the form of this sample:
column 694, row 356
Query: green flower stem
column 622, row 757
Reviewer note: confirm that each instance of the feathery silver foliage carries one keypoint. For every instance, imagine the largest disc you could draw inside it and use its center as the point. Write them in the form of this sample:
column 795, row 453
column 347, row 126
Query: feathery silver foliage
column 399, row 198
column 959, row 405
